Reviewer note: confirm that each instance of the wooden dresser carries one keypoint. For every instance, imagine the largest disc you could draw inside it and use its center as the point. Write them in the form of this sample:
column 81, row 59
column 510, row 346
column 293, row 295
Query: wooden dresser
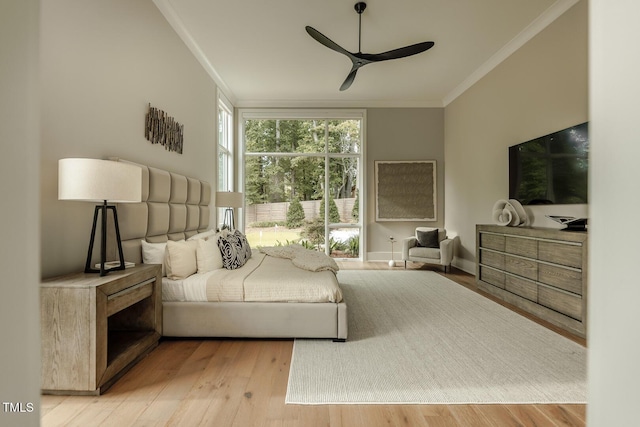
column 95, row 328
column 540, row 270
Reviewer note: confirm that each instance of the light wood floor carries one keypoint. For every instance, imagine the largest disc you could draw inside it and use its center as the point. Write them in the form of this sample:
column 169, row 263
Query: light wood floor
column 243, row 383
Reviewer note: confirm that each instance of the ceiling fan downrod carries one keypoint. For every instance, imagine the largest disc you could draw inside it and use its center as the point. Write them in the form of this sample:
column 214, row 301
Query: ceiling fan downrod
column 360, row 7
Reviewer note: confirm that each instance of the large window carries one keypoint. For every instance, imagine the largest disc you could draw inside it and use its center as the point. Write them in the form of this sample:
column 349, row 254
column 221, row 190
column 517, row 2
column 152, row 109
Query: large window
column 302, row 178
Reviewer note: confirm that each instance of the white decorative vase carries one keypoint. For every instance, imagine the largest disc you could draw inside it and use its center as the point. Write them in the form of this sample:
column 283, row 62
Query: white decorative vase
column 392, row 263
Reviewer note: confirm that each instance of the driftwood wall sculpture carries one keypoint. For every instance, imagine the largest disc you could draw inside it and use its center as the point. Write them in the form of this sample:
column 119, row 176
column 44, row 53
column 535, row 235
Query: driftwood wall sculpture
column 162, row 129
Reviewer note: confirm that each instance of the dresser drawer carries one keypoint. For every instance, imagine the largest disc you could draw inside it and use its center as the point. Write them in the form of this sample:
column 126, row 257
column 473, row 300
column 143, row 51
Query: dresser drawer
column 492, row 241
column 562, row 302
column 523, row 247
column 494, row 277
column 522, row 267
column 525, row 288
column 563, row 278
column 560, row 253
column 492, row 259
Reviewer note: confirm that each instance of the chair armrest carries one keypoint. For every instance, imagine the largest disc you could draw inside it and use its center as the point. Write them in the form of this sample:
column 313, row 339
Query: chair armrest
column 446, row 251
column 407, row 244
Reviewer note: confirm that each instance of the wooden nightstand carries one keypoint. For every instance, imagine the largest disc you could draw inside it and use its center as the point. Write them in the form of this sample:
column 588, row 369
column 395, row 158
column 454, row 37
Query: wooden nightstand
column 95, row 328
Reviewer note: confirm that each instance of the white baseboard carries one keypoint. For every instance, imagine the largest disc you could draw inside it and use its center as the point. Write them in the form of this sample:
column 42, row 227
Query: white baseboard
column 465, row 265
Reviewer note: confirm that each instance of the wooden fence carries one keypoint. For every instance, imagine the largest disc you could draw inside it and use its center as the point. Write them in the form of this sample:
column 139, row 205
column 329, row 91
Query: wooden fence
column 276, row 212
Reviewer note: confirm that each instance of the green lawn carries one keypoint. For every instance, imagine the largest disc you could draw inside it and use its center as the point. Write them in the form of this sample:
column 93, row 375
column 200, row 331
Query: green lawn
column 270, row 237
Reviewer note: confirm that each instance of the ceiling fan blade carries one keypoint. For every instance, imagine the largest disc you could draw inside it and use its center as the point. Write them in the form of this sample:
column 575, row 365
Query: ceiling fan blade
column 321, row 38
column 350, row 78
column 398, row 53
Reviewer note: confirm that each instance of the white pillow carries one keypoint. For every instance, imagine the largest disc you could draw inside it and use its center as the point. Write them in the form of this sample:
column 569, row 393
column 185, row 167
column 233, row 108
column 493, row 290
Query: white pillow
column 203, row 235
column 154, row 253
column 181, row 259
column 208, row 255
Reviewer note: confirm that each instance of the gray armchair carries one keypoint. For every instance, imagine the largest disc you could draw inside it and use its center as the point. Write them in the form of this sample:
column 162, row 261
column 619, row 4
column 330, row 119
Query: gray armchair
column 437, row 248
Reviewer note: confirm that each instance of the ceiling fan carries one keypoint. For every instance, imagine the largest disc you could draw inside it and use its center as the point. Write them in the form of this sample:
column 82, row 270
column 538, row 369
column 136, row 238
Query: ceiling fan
column 361, row 59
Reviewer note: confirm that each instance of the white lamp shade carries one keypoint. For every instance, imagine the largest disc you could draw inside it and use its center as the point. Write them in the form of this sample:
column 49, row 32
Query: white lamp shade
column 229, row 199
column 95, row 180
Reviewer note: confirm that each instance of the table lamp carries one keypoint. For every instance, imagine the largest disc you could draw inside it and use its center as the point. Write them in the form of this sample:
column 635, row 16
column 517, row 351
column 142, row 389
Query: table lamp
column 103, row 181
column 229, row 200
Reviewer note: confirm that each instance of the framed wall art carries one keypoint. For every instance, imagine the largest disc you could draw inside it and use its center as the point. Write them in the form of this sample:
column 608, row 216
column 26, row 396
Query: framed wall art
column 406, row 190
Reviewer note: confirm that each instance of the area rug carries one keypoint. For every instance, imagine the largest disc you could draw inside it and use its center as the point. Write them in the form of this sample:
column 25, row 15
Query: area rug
column 417, row 337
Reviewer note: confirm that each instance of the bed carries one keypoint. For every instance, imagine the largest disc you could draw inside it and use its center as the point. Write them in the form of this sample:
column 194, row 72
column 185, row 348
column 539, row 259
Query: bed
column 175, row 208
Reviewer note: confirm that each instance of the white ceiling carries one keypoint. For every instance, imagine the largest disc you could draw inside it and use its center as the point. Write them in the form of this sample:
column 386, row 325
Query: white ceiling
column 259, row 53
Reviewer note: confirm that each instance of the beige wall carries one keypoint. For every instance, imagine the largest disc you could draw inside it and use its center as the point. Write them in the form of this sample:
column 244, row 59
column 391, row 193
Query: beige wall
column 401, row 134
column 19, row 135
column 539, row 89
column 102, row 64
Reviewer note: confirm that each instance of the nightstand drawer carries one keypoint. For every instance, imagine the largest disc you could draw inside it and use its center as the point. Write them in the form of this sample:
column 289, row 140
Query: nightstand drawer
column 129, row 296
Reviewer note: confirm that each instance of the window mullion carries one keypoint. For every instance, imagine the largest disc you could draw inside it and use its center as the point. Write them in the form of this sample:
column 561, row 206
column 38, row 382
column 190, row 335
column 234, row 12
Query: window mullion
column 327, row 194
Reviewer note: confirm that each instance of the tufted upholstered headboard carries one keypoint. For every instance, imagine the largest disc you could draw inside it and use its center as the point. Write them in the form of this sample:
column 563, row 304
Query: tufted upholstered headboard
column 173, row 207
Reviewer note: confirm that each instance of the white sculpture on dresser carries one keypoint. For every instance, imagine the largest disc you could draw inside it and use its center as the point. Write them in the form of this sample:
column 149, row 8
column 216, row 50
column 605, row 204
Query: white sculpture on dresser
column 509, row 212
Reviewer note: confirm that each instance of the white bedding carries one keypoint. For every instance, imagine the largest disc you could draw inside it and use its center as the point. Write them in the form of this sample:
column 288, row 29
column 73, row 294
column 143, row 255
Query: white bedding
column 262, row 278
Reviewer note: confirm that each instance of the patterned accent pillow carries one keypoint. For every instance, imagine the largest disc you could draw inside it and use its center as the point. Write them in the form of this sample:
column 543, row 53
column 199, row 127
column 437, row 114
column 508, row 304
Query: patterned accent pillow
column 244, row 244
column 235, row 250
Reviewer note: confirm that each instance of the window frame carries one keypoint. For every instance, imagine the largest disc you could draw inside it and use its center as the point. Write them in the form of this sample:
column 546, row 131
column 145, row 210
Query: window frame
column 225, row 148
column 305, row 114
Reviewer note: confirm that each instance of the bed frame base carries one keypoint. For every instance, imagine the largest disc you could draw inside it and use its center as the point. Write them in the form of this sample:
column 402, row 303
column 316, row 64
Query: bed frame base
column 255, row 320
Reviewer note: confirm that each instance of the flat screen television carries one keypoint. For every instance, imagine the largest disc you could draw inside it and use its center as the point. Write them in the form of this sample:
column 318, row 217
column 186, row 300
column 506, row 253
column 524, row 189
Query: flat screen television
column 551, row 169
